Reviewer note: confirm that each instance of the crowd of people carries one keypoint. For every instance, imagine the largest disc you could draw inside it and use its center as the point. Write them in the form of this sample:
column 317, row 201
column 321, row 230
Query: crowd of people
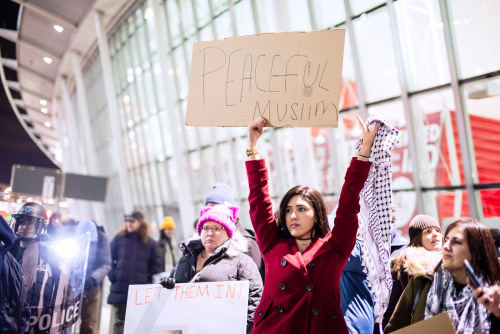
column 305, row 275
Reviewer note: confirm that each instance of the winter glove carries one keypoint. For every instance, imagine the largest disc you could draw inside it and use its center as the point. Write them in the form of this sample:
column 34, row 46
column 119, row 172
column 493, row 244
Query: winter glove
column 90, row 284
column 167, row 282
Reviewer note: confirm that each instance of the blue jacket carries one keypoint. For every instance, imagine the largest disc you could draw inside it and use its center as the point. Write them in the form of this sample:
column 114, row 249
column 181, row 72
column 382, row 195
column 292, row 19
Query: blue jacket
column 356, row 298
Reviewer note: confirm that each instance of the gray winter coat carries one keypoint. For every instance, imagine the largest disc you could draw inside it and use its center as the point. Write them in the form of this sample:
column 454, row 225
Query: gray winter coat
column 231, row 264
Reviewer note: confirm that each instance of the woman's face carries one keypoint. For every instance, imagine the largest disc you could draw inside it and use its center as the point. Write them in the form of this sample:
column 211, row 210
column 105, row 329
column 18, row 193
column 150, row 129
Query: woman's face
column 132, row 226
column 299, row 217
column 169, row 232
column 213, row 235
column 455, row 251
column 432, row 240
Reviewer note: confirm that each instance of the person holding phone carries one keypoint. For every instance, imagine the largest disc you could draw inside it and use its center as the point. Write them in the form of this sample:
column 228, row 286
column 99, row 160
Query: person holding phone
column 489, row 297
column 446, row 288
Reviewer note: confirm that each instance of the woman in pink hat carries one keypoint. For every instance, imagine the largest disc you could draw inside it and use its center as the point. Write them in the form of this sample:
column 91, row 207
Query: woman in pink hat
column 219, row 255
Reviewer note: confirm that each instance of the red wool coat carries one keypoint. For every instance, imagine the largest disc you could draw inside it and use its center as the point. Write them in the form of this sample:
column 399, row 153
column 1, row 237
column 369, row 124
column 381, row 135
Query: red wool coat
column 301, row 291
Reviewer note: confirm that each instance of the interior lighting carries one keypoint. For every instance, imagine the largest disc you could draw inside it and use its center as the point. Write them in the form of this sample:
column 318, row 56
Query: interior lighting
column 58, row 28
column 44, row 110
column 47, row 124
column 48, row 60
column 43, row 102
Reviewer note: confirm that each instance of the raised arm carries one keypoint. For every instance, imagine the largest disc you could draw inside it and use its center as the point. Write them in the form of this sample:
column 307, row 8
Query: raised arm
column 346, row 220
column 261, row 211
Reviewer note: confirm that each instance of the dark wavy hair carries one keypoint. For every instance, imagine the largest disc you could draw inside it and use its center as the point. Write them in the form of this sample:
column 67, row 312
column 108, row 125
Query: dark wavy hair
column 484, row 259
column 311, row 196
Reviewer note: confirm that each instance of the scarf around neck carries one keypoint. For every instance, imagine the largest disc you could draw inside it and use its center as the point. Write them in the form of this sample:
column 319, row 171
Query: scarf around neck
column 467, row 315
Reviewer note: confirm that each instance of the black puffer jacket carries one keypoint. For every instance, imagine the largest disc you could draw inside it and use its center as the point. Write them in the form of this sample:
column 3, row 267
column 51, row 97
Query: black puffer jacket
column 229, row 263
column 132, row 263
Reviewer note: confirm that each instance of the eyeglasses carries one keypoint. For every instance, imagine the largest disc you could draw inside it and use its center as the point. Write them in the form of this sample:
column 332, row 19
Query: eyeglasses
column 206, row 229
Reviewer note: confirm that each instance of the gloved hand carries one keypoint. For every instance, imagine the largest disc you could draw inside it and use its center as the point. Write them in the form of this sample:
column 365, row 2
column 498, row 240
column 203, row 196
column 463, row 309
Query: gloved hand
column 90, row 284
column 167, row 282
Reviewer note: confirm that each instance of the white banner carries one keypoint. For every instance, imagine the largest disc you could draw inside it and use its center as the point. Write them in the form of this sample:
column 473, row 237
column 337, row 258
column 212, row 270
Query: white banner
column 210, row 307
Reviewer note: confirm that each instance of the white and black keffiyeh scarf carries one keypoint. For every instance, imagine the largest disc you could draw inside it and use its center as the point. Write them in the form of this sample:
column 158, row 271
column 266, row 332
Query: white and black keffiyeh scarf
column 467, row 315
column 375, row 214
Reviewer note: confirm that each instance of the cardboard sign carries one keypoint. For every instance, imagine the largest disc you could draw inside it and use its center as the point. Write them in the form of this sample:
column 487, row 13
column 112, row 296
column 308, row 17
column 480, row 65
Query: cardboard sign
column 210, row 307
column 292, row 79
column 440, row 323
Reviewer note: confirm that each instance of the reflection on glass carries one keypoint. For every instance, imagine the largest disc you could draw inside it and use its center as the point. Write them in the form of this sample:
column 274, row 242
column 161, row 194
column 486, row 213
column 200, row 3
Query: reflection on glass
column 359, row 6
column 439, row 151
column 482, row 100
column 422, row 41
column 490, row 201
column 476, row 26
column 328, row 13
column 402, row 170
column 451, row 204
column 376, row 56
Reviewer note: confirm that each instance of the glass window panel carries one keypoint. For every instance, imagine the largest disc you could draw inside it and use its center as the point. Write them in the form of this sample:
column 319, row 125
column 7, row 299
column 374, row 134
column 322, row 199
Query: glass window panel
column 206, row 34
column 155, row 185
column 451, row 204
column 173, row 22
column 477, row 44
column 406, row 208
column 223, row 26
column 205, row 135
column 282, row 149
column 192, row 143
column 244, row 18
column 376, row 56
column 219, row 6
column 328, row 13
column 167, row 134
column 203, row 11
column 348, row 89
column 180, row 73
column 163, row 181
column 359, row 6
column 401, row 164
column 482, row 99
column 147, row 143
column 422, row 41
column 435, row 120
column 291, row 16
column 490, row 200
column 319, row 138
column 224, row 163
column 186, row 13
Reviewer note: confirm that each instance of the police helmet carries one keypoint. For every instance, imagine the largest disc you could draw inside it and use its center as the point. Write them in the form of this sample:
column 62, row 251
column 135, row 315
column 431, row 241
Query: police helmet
column 30, row 221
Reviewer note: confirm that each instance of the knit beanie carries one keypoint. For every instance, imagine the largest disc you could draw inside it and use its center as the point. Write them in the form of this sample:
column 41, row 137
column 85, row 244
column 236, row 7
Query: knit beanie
column 221, row 214
column 420, row 223
column 168, row 222
column 221, row 193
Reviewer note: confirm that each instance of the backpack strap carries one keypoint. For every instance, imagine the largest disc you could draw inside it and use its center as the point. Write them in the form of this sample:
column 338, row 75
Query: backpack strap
column 417, row 297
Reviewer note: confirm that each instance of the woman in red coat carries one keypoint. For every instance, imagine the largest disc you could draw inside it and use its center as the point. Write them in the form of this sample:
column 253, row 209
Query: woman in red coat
column 303, row 260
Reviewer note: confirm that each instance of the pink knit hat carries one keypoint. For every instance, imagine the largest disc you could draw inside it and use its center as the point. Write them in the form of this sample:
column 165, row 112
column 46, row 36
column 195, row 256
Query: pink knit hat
column 220, row 214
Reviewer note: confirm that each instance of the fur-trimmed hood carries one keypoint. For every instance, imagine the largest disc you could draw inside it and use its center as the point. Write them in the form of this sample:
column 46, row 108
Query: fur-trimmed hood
column 420, row 261
column 233, row 247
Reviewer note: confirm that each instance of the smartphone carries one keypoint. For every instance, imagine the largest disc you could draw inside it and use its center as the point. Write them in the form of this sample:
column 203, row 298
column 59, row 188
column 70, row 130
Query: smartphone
column 474, row 280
